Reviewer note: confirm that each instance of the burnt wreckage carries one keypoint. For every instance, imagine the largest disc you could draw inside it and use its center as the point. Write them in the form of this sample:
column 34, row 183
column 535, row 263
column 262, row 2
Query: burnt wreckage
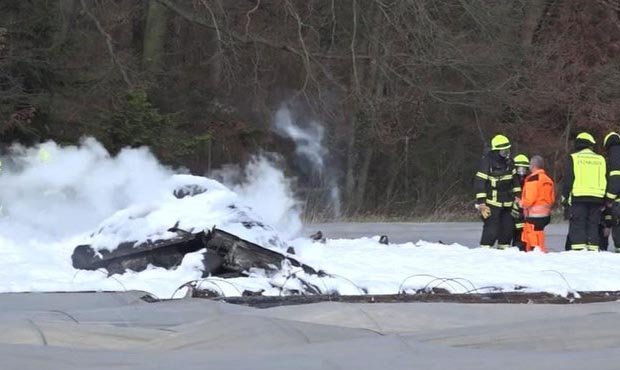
column 226, row 254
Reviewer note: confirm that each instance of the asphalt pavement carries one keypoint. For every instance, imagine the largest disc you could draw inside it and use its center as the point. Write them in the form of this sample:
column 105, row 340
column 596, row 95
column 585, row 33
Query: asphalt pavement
column 464, row 233
column 110, row 331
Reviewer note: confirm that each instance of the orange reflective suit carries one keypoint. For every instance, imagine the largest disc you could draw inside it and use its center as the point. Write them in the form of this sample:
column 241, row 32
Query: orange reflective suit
column 537, row 199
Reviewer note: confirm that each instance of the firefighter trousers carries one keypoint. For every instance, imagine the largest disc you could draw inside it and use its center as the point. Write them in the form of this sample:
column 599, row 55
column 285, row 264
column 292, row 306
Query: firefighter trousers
column 603, row 237
column 583, row 229
column 497, row 228
column 611, row 223
column 615, row 235
column 517, row 237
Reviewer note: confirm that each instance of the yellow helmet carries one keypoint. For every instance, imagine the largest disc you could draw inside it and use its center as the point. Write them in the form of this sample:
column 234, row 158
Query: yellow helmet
column 586, row 137
column 521, row 160
column 44, row 155
column 500, row 142
column 610, row 136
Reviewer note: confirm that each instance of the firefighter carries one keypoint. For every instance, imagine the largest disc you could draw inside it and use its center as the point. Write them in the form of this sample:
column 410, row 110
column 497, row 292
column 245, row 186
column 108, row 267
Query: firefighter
column 522, row 166
column 537, row 199
column 612, row 196
column 496, row 187
column 583, row 192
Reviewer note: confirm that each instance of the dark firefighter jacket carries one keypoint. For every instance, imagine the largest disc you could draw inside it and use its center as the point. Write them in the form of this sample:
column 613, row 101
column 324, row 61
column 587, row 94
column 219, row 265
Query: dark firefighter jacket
column 496, row 182
column 613, row 169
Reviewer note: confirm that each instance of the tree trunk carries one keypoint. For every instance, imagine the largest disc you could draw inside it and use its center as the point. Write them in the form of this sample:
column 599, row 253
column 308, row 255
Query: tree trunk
column 395, row 170
column 362, row 178
column 375, row 86
column 66, row 9
column 154, row 36
column 534, row 11
column 351, row 160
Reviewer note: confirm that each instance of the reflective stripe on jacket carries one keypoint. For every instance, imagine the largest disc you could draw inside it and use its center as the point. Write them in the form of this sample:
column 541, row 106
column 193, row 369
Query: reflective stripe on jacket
column 613, row 173
column 496, row 182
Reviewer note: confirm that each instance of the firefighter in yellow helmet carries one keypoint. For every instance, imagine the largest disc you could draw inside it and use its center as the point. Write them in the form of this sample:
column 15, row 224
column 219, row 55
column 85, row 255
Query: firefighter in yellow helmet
column 611, row 215
column 522, row 166
column 496, row 185
column 583, row 192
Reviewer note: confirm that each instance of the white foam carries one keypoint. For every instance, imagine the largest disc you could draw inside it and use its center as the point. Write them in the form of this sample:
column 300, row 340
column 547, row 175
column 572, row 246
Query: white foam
column 83, row 195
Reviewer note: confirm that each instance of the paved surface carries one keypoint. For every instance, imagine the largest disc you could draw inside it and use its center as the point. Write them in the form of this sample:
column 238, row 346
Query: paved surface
column 464, row 233
column 71, row 331
column 120, row 331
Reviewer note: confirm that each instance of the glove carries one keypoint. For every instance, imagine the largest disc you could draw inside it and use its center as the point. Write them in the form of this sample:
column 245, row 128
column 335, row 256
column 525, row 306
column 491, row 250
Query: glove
column 566, row 212
column 484, row 210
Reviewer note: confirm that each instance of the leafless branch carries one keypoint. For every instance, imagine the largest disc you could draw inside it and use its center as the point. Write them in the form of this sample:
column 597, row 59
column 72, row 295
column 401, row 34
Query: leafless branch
column 353, row 58
column 305, row 56
column 215, row 26
column 109, row 43
column 247, row 16
column 333, row 31
column 198, row 19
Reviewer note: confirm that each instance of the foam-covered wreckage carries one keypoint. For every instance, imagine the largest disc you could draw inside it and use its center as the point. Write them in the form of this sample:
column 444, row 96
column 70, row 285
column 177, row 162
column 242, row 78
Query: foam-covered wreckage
column 225, row 254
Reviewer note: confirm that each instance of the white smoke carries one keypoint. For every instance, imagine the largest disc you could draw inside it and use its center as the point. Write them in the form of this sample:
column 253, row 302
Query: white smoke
column 50, row 193
column 309, row 146
column 268, row 192
column 55, row 198
column 308, row 140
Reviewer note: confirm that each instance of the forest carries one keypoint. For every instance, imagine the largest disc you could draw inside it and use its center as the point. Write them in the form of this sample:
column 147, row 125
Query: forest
column 407, row 93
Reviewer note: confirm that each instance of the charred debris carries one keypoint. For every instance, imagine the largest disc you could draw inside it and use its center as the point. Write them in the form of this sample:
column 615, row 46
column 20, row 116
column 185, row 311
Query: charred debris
column 226, row 255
